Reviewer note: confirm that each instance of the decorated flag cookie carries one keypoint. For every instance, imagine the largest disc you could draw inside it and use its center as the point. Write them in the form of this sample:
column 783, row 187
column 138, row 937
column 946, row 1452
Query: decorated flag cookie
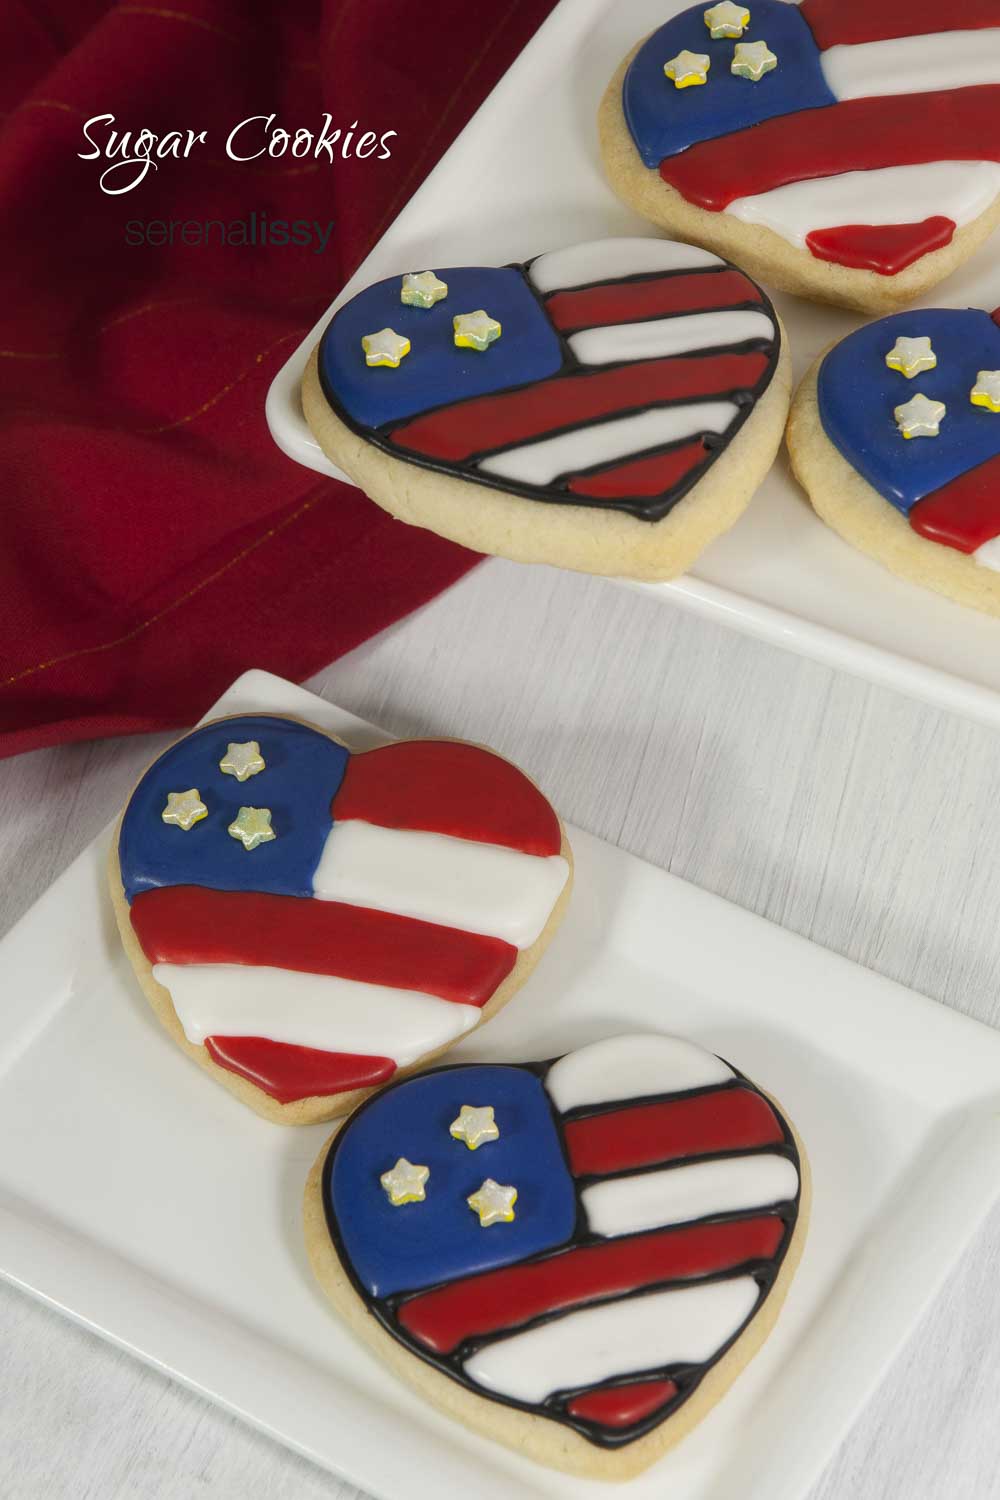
column 895, row 434
column 610, row 407
column 841, row 150
column 607, row 1259
column 308, row 923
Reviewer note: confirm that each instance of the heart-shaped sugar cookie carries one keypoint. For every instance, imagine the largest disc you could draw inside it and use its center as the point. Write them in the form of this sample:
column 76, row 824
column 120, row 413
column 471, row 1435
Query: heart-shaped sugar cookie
column 308, row 922
column 601, row 1242
column 840, row 150
column 610, row 407
column 895, row 434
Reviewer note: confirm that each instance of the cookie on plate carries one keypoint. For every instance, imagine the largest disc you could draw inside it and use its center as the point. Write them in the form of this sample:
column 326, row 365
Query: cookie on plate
column 895, row 434
column 575, row 1258
column 838, row 149
column 610, row 407
column 308, row 922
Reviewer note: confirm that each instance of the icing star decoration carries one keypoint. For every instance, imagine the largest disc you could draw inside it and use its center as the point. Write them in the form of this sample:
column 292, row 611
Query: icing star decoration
column 252, row 826
column 493, row 1202
column 752, row 60
column 920, row 417
column 385, row 348
column 986, row 391
column 422, row 289
column 911, row 356
column 475, row 1125
column 184, row 809
column 476, row 330
column 726, row 20
column 688, row 68
column 404, row 1183
column 242, row 761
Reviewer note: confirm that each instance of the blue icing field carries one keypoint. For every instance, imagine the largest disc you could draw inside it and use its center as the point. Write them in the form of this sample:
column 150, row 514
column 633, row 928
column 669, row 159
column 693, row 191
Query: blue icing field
column 395, row 1249
column 858, row 394
column 435, row 372
column 303, row 771
column 664, row 120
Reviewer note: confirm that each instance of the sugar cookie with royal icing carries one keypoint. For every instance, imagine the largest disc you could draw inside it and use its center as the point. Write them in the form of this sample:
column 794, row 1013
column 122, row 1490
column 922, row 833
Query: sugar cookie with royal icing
column 895, row 439
column 610, row 407
column 636, row 1223
column 334, row 919
column 841, row 150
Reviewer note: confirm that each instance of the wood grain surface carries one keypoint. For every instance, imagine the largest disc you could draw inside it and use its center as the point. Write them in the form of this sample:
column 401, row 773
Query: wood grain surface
column 865, row 821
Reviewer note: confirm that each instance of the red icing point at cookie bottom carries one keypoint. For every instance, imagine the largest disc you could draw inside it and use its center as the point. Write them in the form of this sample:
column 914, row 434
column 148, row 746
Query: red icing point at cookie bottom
column 622, row 1405
column 287, row 1072
column 884, row 248
column 966, row 513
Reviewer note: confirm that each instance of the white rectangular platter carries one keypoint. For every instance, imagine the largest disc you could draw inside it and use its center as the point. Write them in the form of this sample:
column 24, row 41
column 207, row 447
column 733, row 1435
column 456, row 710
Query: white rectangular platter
column 147, row 1204
column 525, row 176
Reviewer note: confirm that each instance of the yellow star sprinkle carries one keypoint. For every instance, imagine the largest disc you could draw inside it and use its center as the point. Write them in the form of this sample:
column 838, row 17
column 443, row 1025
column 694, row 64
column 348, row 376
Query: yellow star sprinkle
column 475, row 1125
column 986, row 391
column 920, row 417
column 476, row 330
column 404, row 1183
column 911, row 356
column 493, row 1202
column 727, row 20
column 422, row 289
column 242, row 761
column 184, row 809
column 752, row 60
column 385, row 348
column 688, row 68
column 252, row 826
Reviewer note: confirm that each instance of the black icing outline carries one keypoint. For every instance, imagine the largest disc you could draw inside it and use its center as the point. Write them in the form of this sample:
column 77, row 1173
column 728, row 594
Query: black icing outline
column 642, row 507
column 687, row 1377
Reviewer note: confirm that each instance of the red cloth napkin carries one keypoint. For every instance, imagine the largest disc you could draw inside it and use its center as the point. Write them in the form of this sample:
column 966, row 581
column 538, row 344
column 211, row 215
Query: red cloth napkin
column 153, row 541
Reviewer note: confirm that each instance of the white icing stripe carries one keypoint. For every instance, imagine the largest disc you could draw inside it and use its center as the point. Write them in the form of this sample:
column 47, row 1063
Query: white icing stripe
column 958, row 190
column 683, row 1326
column 311, row 1010
column 607, row 260
column 913, row 64
column 455, row 882
column 541, row 462
column 629, row 1067
column 663, row 336
column 647, row 1200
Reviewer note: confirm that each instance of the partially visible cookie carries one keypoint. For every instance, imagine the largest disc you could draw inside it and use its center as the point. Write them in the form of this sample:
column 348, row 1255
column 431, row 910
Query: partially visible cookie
column 308, row 922
column 610, row 407
column 895, row 435
column 837, row 149
column 574, row 1258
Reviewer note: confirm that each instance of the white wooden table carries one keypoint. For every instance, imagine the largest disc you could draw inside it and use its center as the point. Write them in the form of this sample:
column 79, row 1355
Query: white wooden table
column 869, row 823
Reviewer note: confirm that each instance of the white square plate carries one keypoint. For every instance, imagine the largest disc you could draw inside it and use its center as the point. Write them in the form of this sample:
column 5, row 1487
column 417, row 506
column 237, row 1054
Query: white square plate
column 525, row 176
column 150, row 1206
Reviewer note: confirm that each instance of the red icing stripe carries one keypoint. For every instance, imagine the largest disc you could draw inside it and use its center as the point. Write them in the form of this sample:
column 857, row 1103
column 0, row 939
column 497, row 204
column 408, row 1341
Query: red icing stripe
column 186, row 924
column 631, row 301
column 622, row 1405
column 442, row 1319
column 457, row 432
column 439, row 787
column 885, row 248
column 965, row 513
column 995, row 315
column 730, row 1119
column 858, row 135
column 287, row 1072
column 642, row 476
column 850, row 21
